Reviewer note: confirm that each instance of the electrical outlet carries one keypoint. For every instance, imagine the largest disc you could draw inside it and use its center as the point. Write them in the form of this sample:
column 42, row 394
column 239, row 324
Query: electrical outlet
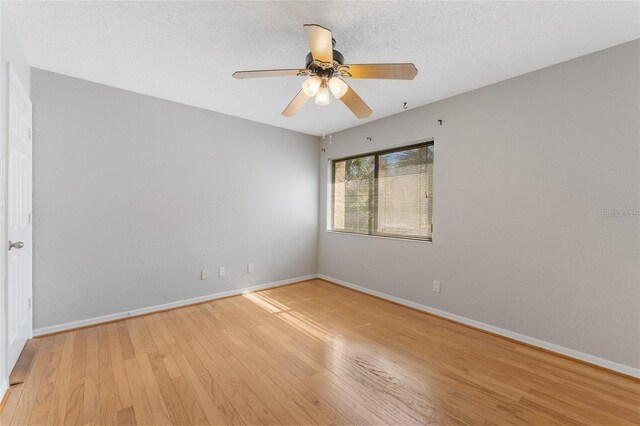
column 249, row 268
column 436, row 286
column 221, row 271
column 204, row 274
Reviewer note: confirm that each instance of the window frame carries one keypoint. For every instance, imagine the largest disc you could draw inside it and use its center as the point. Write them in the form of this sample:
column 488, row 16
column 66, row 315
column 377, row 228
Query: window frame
column 374, row 225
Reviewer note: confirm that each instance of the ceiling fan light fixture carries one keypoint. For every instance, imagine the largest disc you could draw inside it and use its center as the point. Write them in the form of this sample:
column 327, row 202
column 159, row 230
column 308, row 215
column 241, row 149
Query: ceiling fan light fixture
column 311, row 86
column 323, row 97
column 338, row 87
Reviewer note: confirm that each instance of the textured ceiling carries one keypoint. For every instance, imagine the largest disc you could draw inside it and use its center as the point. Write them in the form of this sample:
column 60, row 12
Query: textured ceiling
column 187, row 51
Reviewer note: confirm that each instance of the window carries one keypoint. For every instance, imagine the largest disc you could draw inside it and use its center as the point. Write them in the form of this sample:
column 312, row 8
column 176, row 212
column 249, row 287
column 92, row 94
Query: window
column 385, row 193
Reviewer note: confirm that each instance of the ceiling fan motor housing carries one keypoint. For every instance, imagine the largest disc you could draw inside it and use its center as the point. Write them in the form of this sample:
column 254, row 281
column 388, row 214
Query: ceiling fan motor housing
column 338, row 60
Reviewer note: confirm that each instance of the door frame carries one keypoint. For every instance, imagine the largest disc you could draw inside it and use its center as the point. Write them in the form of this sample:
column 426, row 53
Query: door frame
column 14, row 80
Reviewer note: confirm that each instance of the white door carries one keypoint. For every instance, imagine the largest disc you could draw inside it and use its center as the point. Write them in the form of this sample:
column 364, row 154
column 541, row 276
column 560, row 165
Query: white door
column 19, row 219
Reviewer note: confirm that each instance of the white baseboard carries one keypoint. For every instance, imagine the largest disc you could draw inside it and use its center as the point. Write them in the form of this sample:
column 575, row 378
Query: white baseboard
column 591, row 359
column 149, row 309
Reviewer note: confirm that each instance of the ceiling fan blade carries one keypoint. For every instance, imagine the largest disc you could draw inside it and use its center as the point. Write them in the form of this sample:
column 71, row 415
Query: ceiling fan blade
column 267, row 73
column 356, row 104
column 295, row 105
column 320, row 42
column 383, row 71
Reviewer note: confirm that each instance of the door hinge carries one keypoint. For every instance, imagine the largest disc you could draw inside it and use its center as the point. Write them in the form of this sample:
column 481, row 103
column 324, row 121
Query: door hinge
column 29, row 218
column 29, row 132
column 29, row 303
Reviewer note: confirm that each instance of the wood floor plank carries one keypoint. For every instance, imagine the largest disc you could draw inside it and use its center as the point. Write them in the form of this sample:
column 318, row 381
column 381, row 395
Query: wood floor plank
column 308, row 353
column 285, row 385
column 189, row 401
column 219, row 399
column 141, row 407
column 106, row 386
column 305, row 369
column 42, row 404
column 91, row 397
column 256, row 386
column 174, row 406
column 58, row 408
column 208, row 407
column 127, row 416
column 217, row 383
column 123, row 394
column 244, row 400
column 75, row 394
column 8, row 408
column 152, row 389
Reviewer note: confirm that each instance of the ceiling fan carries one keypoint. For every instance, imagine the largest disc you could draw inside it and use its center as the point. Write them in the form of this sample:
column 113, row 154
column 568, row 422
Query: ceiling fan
column 326, row 70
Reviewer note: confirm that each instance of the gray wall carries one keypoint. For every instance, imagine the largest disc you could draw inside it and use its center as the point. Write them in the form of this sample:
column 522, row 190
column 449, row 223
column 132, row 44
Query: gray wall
column 11, row 53
column 133, row 196
column 522, row 171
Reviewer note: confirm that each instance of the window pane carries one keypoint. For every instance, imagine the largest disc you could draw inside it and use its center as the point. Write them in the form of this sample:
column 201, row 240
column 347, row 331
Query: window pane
column 404, row 192
column 388, row 193
column 353, row 194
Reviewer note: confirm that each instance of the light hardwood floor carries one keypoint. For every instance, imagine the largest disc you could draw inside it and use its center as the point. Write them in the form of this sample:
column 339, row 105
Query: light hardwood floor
column 308, row 353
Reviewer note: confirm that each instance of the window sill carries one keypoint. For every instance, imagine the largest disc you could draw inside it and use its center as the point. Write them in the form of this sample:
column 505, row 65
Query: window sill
column 414, row 240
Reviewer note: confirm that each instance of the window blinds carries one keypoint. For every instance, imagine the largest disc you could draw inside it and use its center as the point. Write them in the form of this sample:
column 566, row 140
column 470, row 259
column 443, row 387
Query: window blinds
column 387, row 193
